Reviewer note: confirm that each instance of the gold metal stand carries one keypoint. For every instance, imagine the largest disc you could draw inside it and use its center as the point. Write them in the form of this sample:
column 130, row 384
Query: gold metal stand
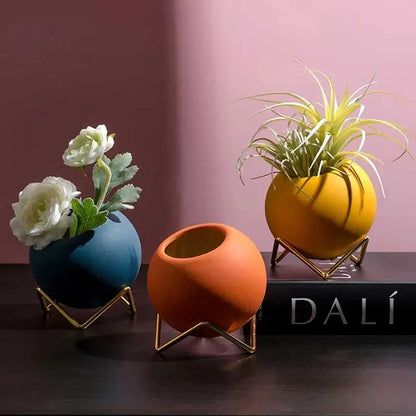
column 247, row 348
column 325, row 274
column 47, row 304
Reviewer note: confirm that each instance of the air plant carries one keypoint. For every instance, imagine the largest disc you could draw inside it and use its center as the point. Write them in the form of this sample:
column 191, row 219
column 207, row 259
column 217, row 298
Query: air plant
column 315, row 137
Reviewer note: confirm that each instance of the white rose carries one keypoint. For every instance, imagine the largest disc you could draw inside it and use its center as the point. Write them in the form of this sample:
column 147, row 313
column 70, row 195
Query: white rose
column 42, row 213
column 88, row 146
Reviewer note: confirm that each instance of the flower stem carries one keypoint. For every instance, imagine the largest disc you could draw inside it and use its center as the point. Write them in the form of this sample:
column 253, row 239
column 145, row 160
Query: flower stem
column 103, row 192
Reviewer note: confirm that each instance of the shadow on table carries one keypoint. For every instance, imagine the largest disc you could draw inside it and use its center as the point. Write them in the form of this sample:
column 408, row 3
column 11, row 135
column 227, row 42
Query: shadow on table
column 139, row 346
column 31, row 317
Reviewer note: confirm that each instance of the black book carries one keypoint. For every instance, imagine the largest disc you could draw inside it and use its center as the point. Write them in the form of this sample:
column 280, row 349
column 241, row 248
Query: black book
column 378, row 297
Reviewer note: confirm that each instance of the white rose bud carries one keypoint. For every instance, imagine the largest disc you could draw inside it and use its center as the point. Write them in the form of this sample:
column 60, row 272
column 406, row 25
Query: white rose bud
column 88, row 146
column 42, row 214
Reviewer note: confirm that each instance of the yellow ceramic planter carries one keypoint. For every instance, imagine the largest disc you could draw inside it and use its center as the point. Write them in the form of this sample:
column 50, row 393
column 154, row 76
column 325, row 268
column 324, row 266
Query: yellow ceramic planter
column 322, row 216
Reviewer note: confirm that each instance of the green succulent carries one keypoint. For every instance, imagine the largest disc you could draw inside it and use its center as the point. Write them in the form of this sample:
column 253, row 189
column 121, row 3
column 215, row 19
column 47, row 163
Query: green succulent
column 316, row 138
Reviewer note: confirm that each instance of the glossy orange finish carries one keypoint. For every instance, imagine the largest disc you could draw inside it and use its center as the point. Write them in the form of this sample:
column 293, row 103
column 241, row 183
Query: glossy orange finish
column 207, row 273
column 322, row 216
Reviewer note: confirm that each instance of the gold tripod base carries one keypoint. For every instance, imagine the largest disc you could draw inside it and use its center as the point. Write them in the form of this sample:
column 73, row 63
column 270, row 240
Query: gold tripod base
column 325, row 274
column 47, row 304
column 250, row 348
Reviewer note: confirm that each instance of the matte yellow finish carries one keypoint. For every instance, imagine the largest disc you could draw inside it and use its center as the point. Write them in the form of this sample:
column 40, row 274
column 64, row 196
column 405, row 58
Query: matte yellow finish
column 322, row 216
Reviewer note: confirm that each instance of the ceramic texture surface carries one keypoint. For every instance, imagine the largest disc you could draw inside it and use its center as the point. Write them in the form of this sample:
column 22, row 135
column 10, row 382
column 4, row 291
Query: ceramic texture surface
column 207, row 273
column 89, row 270
column 322, row 216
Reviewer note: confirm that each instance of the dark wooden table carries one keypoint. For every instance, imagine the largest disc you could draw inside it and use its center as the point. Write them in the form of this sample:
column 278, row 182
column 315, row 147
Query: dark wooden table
column 111, row 368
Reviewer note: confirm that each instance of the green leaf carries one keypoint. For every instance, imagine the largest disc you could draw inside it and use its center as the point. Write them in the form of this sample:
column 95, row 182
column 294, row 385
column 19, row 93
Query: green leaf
column 121, row 198
column 121, row 161
column 99, row 177
column 121, row 172
column 77, row 207
column 73, row 227
column 88, row 216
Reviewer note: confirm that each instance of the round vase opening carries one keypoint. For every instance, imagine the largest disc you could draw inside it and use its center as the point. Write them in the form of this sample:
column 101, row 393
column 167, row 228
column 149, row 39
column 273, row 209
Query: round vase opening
column 195, row 242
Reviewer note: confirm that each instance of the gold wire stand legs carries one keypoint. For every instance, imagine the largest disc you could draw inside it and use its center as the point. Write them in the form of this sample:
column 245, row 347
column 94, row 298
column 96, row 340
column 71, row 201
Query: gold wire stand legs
column 128, row 302
column 250, row 348
column 325, row 274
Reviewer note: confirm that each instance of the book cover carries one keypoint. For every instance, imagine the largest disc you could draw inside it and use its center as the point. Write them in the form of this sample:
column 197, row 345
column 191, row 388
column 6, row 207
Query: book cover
column 378, row 297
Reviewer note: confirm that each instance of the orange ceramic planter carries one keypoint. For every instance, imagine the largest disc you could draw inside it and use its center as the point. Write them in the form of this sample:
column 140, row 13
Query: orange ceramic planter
column 207, row 273
column 322, row 216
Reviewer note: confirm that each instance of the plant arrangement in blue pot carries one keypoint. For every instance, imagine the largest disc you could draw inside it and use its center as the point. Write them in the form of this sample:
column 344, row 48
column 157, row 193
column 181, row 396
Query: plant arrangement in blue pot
column 82, row 251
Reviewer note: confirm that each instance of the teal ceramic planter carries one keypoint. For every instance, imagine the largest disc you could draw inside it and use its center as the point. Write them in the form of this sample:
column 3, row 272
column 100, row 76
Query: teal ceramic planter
column 89, row 270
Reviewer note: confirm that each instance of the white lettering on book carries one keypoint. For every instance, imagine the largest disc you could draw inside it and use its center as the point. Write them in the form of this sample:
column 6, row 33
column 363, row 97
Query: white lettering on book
column 364, row 313
column 338, row 313
column 335, row 311
column 313, row 311
column 391, row 307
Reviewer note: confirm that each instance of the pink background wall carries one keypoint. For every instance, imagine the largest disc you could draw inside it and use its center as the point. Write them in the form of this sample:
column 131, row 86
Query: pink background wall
column 166, row 77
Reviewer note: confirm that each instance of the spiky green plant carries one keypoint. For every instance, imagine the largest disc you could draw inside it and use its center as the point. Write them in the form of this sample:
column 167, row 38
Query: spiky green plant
column 317, row 138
